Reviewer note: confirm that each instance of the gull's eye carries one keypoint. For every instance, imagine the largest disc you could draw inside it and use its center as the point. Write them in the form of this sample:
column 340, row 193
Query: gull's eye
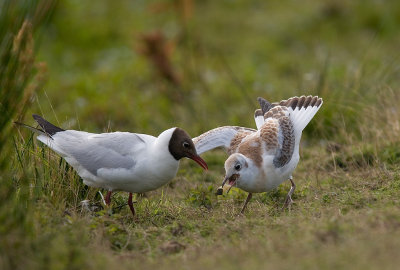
column 186, row 145
column 238, row 167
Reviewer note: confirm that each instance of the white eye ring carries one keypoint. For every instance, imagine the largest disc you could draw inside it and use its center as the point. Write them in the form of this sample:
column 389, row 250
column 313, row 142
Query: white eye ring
column 238, row 167
column 185, row 144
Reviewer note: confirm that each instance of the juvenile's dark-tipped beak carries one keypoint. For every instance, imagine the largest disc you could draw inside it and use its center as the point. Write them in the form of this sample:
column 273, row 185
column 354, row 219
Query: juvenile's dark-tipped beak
column 232, row 181
column 224, row 182
column 199, row 161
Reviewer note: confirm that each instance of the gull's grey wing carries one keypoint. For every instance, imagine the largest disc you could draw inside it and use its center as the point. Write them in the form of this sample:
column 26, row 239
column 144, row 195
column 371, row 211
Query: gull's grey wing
column 226, row 137
column 96, row 151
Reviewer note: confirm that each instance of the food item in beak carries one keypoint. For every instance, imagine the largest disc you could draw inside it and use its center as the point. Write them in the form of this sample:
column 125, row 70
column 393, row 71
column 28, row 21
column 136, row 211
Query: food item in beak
column 220, row 191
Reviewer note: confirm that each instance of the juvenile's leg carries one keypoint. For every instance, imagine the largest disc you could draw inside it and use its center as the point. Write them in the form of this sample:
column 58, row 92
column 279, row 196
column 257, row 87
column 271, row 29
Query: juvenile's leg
column 289, row 200
column 246, row 202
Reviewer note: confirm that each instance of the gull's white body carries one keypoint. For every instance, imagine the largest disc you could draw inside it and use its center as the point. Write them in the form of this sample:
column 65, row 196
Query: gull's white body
column 117, row 161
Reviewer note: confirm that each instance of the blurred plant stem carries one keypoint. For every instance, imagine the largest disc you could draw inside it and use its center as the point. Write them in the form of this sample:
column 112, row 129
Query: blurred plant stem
column 20, row 76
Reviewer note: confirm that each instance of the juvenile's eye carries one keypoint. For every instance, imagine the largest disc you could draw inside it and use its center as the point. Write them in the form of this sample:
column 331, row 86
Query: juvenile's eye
column 238, row 167
column 186, row 144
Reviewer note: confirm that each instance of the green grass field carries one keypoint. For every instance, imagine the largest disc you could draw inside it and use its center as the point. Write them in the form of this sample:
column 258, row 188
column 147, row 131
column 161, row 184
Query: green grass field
column 145, row 66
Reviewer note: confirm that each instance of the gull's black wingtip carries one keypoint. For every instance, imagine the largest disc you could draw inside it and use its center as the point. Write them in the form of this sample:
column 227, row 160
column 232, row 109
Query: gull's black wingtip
column 38, row 118
column 48, row 127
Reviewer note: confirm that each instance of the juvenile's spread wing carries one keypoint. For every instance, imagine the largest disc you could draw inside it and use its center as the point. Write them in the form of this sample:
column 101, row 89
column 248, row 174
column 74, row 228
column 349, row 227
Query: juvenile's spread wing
column 259, row 118
column 259, row 113
column 302, row 110
column 227, row 137
column 284, row 122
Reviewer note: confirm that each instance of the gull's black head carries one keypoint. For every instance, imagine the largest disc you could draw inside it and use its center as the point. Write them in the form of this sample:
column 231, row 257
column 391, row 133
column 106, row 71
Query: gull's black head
column 181, row 145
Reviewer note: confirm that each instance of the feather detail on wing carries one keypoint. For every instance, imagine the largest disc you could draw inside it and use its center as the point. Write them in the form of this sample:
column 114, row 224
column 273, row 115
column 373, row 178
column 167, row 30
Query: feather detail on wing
column 96, row 151
column 291, row 117
column 302, row 110
column 48, row 127
column 227, row 137
column 278, row 135
column 115, row 150
column 264, row 104
column 259, row 113
column 259, row 118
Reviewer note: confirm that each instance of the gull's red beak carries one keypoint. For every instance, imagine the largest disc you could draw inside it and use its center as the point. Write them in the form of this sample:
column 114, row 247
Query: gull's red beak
column 199, row 161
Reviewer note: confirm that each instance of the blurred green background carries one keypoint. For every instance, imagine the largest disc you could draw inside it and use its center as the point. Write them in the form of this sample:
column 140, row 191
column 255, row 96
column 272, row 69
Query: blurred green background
column 103, row 72
column 145, row 66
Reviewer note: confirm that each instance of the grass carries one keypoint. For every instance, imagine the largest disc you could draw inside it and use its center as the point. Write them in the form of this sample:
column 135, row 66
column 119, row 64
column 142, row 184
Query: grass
column 340, row 219
column 103, row 74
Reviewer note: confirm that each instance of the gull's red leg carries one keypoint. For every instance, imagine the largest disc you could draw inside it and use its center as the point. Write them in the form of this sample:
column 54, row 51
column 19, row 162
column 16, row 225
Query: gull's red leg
column 108, row 198
column 130, row 203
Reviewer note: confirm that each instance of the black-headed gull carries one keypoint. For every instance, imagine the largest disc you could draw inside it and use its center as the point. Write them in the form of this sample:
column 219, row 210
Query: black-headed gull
column 262, row 159
column 122, row 161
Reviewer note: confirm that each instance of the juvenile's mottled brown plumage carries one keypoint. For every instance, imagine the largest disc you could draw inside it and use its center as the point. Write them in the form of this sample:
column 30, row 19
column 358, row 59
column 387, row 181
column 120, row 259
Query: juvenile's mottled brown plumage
column 237, row 140
column 276, row 112
column 252, row 150
column 285, row 153
column 269, row 133
column 262, row 159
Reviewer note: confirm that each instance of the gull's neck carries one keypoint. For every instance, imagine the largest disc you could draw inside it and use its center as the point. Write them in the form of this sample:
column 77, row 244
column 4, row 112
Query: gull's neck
column 162, row 141
column 160, row 146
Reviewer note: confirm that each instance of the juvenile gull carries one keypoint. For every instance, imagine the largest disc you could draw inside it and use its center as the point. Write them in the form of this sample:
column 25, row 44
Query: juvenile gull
column 262, row 159
column 120, row 161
